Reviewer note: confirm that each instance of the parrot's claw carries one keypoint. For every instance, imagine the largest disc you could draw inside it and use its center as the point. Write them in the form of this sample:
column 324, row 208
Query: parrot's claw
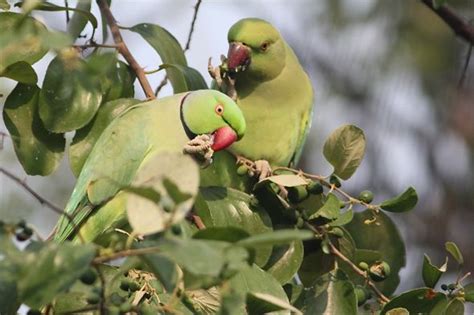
column 223, row 81
column 200, row 149
column 260, row 168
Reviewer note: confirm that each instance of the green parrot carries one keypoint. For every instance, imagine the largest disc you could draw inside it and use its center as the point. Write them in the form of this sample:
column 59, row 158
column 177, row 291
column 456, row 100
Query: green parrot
column 165, row 125
column 273, row 91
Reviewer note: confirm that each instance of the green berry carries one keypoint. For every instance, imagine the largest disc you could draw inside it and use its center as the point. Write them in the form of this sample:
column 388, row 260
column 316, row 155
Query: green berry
column 297, row 194
column 125, row 284
column 366, row 196
column 93, row 298
column 379, row 271
column 337, row 232
column 452, row 286
column 22, row 236
column 33, row 312
column 21, row 224
column 176, row 229
column 146, row 309
column 113, row 310
column 444, row 287
column 134, row 286
column 242, row 170
column 334, row 180
column 363, row 265
column 88, row 277
column 315, row 188
column 116, row 299
column 126, row 307
column 361, row 295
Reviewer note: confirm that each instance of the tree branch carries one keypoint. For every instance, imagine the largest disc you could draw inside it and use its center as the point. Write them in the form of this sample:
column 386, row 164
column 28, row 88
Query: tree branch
column 123, row 49
column 459, row 25
column 22, row 183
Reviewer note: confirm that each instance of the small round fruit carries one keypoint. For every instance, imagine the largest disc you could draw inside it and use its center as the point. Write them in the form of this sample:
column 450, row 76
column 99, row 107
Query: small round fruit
column 297, row 194
column 21, row 224
column 334, row 180
column 93, row 298
column 22, row 236
column 452, row 286
column 366, row 196
column 134, row 286
column 146, row 309
column 337, row 232
column 125, row 284
column 33, row 312
column 379, row 271
column 242, row 170
column 363, row 265
column 176, row 229
column 361, row 295
column 444, row 287
column 88, row 277
column 125, row 307
column 315, row 188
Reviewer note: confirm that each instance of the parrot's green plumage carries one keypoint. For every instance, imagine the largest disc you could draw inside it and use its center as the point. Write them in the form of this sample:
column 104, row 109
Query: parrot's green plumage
column 274, row 93
column 163, row 125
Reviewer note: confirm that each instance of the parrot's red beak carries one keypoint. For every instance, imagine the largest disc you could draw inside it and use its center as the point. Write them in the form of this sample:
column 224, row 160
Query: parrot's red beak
column 238, row 57
column 223, row 137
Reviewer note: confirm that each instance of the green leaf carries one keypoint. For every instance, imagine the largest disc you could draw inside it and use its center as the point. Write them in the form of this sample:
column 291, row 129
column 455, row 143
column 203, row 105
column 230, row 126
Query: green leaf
column 185, row 78
column 455, row 307
column 118, row 83
column 22, row 72
column 182, row 77
column 277, row 237
column 287, row 180
column 416, row 301
column 51, row 270
column 469, row 292
column 453, row 249
column 219, row 206
column 38, row 150
column 315, row 263
column 330, row 209
column 4, row 5
column 164, row 269
column 345, row 149
column 431, row 273
column 78, row 20
column 69, row 98
column 262, row 303
column 285, row 261
column 50, row 7
column 332, row 293
column 86, row 137
column 254, row 280
column 383, row 237
column 402, row 203
column 295, row 293
column 146, row 216
column 20, row 42
column 343, row 219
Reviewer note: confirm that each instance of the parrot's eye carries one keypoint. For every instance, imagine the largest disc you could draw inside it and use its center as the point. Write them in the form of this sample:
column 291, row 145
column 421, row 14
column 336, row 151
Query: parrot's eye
column 264, row 46
column 219, row 109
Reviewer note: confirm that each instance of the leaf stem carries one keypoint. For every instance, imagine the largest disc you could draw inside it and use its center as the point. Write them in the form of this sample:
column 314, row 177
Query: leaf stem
column 124, row 51
column 125, row 253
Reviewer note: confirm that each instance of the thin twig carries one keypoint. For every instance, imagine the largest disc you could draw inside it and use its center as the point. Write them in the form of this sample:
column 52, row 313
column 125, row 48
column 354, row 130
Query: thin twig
column 94, row 45
column 124, row 51
column 193, row 22
column 66, row 4
column 125, row 253
column 466, row 65
column 42, row 200
column 102, row 290
column 161, row 85
column 333, row 249
column 459, row 25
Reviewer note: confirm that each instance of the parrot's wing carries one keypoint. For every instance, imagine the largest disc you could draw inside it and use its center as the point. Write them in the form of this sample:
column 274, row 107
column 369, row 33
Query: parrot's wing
column 305, row 126
column 111, row 165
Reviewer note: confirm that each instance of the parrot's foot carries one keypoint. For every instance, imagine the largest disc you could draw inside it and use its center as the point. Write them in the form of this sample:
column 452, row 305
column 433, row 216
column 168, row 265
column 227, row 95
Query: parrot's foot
column 200, row 149
column 260, row 168
column 223, row 81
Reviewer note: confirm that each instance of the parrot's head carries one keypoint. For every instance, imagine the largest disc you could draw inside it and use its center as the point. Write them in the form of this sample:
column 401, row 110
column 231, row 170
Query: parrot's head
column 256, row 48
column 214, row 113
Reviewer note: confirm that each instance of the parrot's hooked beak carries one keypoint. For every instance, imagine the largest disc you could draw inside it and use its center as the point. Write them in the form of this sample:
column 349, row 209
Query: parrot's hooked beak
column 223, row 138
column 238, row 57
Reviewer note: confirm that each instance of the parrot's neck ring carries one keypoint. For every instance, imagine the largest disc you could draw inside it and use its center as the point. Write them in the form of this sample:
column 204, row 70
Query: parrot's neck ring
column 191, row 135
